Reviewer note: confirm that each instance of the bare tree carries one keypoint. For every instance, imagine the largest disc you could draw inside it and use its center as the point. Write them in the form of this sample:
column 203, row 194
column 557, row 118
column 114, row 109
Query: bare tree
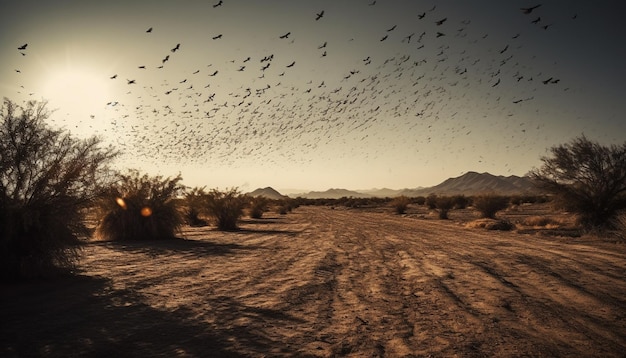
column 47, row 178
column 587, row 178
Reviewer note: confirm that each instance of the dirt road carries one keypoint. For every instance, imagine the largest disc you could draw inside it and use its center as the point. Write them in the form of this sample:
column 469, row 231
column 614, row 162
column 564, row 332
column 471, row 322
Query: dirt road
column 322, row 282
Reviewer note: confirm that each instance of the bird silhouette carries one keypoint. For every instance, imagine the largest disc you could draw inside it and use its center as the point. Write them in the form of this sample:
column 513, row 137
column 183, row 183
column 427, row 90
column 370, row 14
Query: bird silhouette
column 536, row 21
column 528, row 10
column 149, row 30
column 177, row 47
column 113, row 77
column 219, row 3
column 421, row 16
column 384, row 38
column 440, row 22
column 319, row 16
column 439, row 34
column 165, row 59
column 217, row 37
column 392, row 28
column 285, row 35
column 23, row 47
column 291, row 64
column 130, row 82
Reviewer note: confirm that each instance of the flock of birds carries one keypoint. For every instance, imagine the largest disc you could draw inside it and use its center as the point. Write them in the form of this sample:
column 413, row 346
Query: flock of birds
column 418, row 86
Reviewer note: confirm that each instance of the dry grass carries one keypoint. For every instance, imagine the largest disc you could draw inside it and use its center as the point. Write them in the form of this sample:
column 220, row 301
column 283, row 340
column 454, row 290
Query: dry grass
column 490, row 224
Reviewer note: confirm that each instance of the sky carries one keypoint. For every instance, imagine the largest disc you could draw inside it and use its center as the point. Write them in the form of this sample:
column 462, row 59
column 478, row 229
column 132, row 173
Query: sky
column 312, row 95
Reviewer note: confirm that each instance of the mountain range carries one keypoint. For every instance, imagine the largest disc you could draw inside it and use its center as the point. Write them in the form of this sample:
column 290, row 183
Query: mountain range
column 470, row 183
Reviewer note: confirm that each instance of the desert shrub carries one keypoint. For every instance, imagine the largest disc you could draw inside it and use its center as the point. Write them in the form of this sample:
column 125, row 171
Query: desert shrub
column 47, row 180
column 400, row 204
column 193, row 205
column 460, row 201
column 139, row 207
column 225, row 207
column 420, row 200
column 539, row 221
column 431, row 201
column 491, row 224
column 258, row 205
column 488, row 205
column 443, row 205
column 587, row 178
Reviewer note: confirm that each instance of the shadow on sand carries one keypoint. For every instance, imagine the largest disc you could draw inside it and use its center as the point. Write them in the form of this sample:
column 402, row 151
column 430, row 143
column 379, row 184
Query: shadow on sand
column 84, row 316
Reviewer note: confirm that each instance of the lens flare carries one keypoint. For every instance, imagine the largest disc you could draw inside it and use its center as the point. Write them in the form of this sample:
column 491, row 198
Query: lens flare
column 121, row 203
column 146, row 211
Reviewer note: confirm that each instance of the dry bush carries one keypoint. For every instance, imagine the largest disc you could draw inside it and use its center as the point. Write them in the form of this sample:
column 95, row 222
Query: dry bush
column 226, row 207
column 258, row 205
column 47, row 179
column 400, row 204
column 491, row 224
column 431, row 201
column 588, row 179
column 488, row 205
column 139, row 207
column 193, row 202
column 461, row 201
column 443, row 205
column 619, row 224
column 540, row 221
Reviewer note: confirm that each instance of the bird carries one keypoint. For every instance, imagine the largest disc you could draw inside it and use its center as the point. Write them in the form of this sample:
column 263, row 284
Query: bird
column 177, row 47
column 113, row 77
column 497, row 83
column 421, row 16
column 291, row 64
column 536, row 21
column 23, row 47
column 528, row 10
column 130, row 82
column 142, row 67
column 440, row 22
column 384, row 38
column 149, row 30
column 219, row 3
column 322, row 46
column 504, row 49
column 285, row 35
column 319, row 16
column 217, row 37
column 392, row 28
column 165, row 59
column 214, row 73
column 439, row 34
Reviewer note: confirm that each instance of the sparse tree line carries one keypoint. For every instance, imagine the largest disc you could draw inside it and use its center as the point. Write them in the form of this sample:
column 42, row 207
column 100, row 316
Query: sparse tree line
column 50, row 183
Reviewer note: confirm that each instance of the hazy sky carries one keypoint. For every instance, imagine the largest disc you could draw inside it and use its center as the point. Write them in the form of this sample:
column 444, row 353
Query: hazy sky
column 395, row 94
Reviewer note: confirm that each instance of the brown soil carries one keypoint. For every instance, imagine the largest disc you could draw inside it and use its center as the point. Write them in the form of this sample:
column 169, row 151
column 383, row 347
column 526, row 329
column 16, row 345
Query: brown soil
column 323, row 282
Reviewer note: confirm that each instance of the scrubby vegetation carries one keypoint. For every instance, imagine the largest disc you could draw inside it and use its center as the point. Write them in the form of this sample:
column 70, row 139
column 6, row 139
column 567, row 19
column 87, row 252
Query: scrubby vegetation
column 586, row 178
column 488, row 204
column 139, row 207
column 47, row 180
column 443, row 205
column 193, row 206
column 400, row 204
column 225, row 207
column 258, row 205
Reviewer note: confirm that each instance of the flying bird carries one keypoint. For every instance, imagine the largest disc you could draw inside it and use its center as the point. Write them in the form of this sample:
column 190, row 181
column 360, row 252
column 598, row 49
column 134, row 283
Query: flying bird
column 130, row 82
column 177, row 47
column 113, row 77
column 23, row 47
column 392, row 28
column 149, row 30
column 536, row 21
column 291, row 64
column 319, row 16
column 285, row 35
column 528, row 10
column 384, row 38
column 439, row 34
column 421, row 16
column 440, row 22
column 218, row 4
column 167, row 58
column 217, row 37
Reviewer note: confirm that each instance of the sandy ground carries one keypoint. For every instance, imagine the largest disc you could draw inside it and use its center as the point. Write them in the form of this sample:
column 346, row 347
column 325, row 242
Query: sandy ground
column 320, row 282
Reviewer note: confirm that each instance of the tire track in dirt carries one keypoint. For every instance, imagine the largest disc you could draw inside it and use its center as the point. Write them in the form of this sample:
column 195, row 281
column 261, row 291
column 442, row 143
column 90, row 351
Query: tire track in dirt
column 452, row 290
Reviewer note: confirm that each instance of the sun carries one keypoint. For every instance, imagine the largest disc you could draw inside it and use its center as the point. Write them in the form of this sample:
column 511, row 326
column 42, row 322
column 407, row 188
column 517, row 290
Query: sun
column 76, row 91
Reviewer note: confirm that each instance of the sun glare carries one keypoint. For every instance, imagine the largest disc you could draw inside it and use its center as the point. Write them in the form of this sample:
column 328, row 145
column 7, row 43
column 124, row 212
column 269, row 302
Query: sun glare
column 75, row 90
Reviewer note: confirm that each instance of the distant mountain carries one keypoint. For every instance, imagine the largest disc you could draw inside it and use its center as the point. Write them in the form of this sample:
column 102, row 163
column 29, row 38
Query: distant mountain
column 268, row 192
column 333, row 194
column 472, row 183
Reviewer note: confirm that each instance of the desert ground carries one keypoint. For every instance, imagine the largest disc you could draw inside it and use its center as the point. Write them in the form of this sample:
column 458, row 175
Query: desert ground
column 324, row 282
